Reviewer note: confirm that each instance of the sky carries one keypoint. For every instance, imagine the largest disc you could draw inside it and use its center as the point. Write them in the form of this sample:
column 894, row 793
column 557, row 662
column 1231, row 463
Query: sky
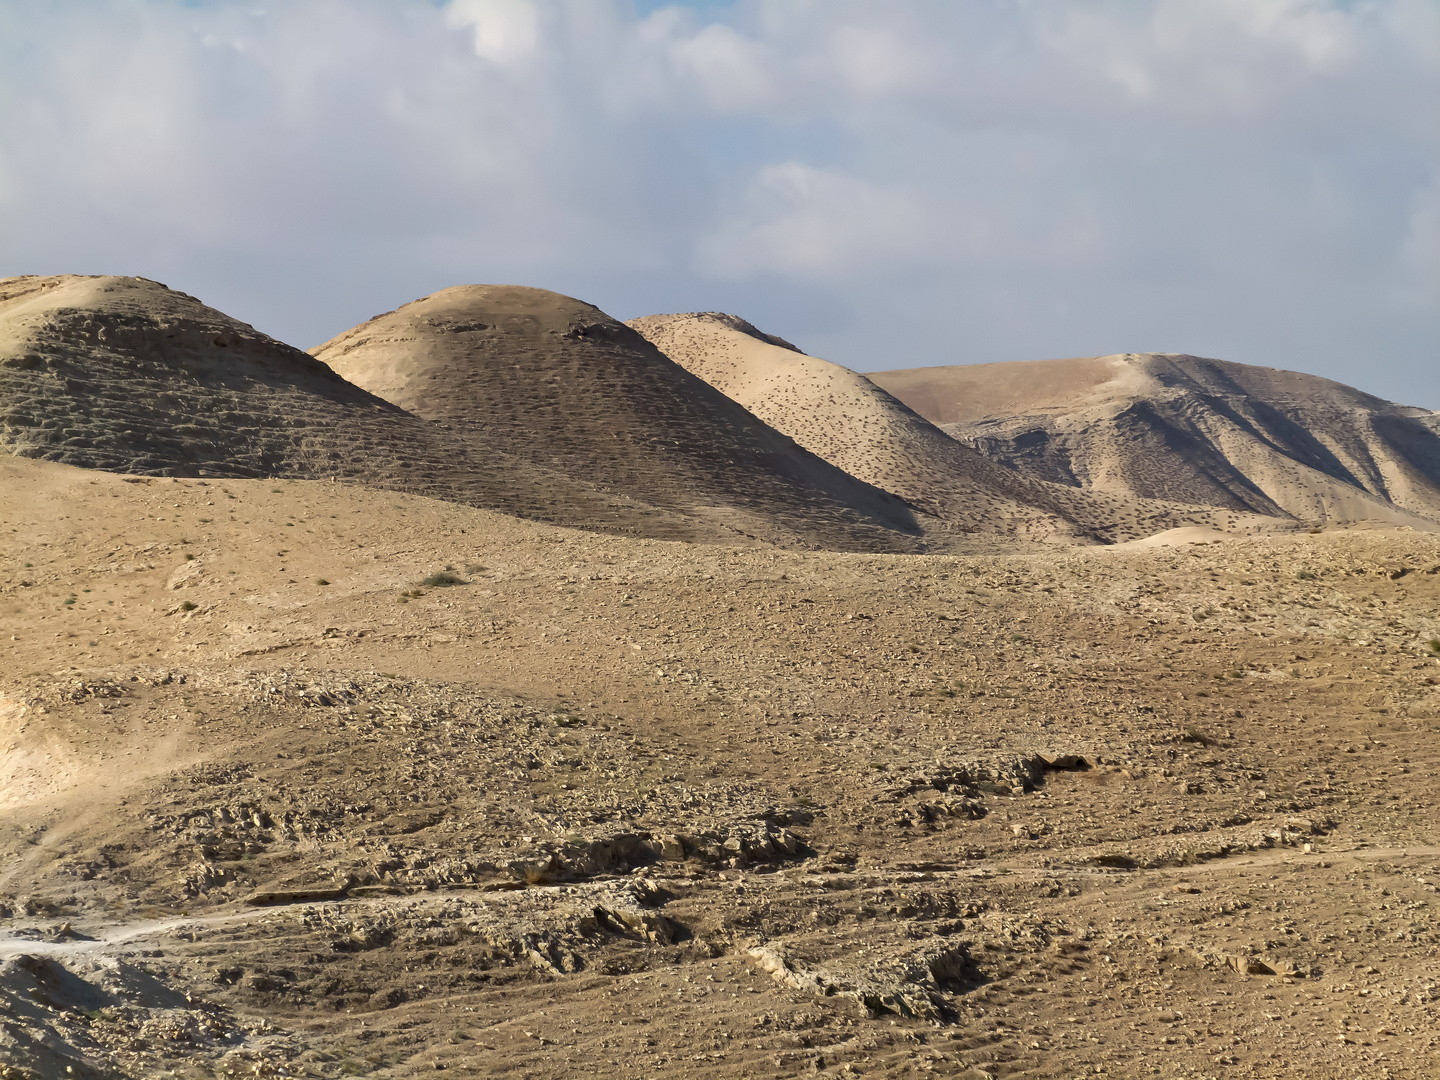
column 885, row 184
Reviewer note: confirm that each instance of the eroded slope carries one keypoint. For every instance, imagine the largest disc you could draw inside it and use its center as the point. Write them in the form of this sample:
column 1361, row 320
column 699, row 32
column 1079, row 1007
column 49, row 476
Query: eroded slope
column 1184, row 428
column 845, row 418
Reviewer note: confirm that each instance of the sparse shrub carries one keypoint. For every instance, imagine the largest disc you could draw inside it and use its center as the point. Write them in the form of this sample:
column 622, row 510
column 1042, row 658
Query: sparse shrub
column 321, row 581
column 442, row 579
column 189, row 555
column 188, row 605
column 1305, row 575
column 1195, row 735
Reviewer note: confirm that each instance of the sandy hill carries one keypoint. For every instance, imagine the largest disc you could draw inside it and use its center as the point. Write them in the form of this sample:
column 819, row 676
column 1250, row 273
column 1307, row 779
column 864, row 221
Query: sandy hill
column 851, row 422
column 553, row 380
column 127, row 375
column 1199, row 431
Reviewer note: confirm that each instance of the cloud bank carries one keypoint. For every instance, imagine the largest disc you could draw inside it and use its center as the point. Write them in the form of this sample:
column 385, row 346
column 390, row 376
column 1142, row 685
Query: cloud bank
column 888, row 185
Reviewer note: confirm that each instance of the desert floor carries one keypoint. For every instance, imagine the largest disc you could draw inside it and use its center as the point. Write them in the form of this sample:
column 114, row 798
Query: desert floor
column 270, row 805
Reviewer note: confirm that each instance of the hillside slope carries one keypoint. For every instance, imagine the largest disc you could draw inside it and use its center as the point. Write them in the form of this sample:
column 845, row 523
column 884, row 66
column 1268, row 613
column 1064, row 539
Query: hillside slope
column 856, row 425
column 126, row 375
column 1192, row 430
column 556, row 381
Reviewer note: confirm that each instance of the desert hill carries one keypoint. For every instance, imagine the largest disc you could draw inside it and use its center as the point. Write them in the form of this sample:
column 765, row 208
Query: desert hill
column 553, row 380
column 1184, row 428
column 126, row 375
column 848, row 420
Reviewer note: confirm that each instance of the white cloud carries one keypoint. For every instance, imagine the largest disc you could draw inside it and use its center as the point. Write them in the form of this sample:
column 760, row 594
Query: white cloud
column 505, row 31
column 1420, row 250
column 818, row 223
column 731, row 71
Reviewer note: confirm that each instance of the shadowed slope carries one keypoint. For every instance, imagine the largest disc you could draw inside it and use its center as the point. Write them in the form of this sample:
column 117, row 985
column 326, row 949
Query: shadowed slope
column 1193, row 430
column 851, row 422
column 556, row 381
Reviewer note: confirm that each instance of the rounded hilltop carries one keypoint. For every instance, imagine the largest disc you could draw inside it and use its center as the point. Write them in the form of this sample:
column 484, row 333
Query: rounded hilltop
column 552, row 379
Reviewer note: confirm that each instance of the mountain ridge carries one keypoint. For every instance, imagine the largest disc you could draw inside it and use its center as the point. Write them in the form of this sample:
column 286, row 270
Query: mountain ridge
column 1191, row 429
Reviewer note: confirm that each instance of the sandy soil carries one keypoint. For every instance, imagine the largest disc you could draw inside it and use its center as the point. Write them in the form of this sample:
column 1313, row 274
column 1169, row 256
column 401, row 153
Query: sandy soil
column 275, row 806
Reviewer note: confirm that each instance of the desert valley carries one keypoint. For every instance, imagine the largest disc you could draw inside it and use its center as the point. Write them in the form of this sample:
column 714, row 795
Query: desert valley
column 500, row 688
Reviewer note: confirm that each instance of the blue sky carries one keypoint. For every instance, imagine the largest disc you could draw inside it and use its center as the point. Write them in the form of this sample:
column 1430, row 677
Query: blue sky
column 888, row 185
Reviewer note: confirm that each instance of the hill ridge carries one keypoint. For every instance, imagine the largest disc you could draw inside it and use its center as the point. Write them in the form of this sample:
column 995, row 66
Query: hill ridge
column 846, row 418
column 127, row 375
column 552, row 378
column 1192, row 429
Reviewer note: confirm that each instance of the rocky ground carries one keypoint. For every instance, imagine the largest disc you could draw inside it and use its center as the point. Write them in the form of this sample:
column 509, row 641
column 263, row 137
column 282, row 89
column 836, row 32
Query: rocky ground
column 300, row 779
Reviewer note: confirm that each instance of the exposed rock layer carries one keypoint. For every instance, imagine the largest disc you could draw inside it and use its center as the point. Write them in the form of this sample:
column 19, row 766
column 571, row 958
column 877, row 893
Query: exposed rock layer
column 1184, row 428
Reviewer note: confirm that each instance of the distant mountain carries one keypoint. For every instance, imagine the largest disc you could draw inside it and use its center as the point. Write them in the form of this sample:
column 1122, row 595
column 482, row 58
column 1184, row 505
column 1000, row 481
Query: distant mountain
column 552, row 380
column 1191, row 430
column 859, row 427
